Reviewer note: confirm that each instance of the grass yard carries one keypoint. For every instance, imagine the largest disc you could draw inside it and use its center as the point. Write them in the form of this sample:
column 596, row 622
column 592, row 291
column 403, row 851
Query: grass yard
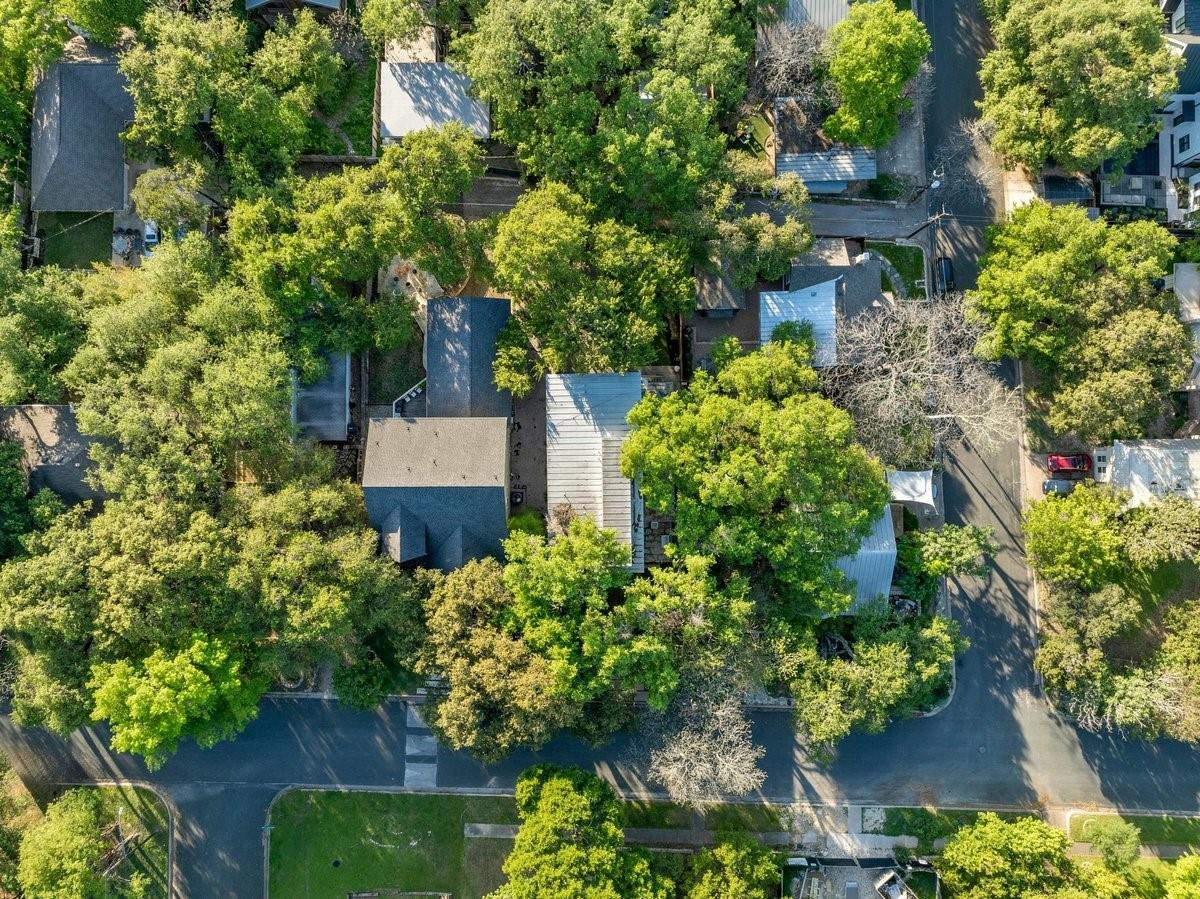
column 655, row 814
column 1148, row 877
column 928, row 825
column 360, row 115
column 394, row 371
column 143, row 811
column 329, row 844
column 923, row 883
column 76, row 239
column 736, row 816
column 1156, row 829
column 909, row 261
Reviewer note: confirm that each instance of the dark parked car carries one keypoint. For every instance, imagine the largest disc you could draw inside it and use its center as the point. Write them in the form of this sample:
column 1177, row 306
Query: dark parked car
column 1075, row 463
column 945, row 274
column 1057, row 486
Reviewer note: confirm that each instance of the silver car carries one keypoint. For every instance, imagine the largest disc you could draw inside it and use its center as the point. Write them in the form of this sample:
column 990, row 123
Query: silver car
column 1057, row 486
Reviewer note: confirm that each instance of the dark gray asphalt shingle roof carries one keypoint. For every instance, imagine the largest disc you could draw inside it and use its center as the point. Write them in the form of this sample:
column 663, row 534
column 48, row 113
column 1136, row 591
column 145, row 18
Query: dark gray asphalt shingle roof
column 460, row 348
column 77, row 158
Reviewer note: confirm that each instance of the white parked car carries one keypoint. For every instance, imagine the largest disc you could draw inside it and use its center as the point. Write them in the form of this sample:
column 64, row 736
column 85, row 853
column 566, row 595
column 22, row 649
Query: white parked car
column 150, row 237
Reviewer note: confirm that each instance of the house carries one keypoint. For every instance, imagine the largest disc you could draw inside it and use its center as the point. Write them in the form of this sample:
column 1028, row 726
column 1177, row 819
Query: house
column 460, row 351
column 262, row 6
column 870, row 570
column 822, row 13
column 418, row 95
column 1150, row 469
column 77, row 159
column 436, row 489
column 586, row 424
column 321, row 410
column 56, row 454
column 828, row 171
column 1186, row 282
column 1174, row 153
column 816, row 304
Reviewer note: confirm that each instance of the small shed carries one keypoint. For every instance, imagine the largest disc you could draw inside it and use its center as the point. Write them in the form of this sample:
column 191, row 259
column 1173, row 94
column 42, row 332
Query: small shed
column 460, row 352
column 414, row 96
column 586, row 425
column 816, row 305
column 870, row 569
column 716, row 294
column 321, row 410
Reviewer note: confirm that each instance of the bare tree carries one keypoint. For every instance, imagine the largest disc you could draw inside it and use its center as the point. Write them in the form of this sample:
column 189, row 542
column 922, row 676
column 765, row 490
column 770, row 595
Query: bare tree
column 703, row 750
column 794, row 65
column 965, row 164
column 908, row 375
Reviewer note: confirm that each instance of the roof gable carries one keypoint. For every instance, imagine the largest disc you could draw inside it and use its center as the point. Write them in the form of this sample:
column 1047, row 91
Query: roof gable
column 77, row 157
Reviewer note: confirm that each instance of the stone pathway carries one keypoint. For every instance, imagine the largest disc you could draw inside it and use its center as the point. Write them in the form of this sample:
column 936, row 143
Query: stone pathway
column 899, row 289
column 420, row 751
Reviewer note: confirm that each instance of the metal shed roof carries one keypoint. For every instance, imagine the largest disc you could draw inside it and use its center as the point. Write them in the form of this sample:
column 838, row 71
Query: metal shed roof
column 841, row 164
column 321, row 410
column 327, row 4
column 871, row 568
column 816, row 305
column 1151, row 469
column 586, row 424
column 418, row 95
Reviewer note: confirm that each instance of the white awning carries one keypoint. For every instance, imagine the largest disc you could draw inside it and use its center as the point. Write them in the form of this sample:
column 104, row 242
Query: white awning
column 912, row 487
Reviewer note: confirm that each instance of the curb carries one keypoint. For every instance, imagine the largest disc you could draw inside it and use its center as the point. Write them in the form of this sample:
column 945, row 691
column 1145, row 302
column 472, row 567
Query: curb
column 172, row 816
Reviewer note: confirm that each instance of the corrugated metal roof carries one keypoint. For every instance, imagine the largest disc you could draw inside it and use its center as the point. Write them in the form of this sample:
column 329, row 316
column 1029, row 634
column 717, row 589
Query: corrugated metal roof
column 842, row 164
column 321, row 410
column 871, row 568
column 586, row 423
column 327, row 4
column 816, row 304
column 825, row 13
column 418, row 95
column 460, row 349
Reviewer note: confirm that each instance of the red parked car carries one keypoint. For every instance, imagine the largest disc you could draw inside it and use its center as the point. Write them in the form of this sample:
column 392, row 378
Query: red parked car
column 1058, row 463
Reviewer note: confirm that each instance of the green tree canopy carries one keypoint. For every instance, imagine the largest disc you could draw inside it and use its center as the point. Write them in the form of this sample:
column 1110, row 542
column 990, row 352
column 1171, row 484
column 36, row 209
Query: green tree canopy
column 42, row 317
column 736, row 866
column 1076, row 539
column 592, row 295
column 169, row 196
column 103, row 19
column 1184, row 880
column 874, row 53
column 998, row 859
column 59, row 854
column 1078, row 83
column 1167, row 530
column 201, row 691
column 760, row 474
column 1117, row 841
column 571, row 842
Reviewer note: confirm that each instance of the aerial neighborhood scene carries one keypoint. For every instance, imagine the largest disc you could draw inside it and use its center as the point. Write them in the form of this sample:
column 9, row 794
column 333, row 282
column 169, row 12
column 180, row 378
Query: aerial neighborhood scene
column 599, row 449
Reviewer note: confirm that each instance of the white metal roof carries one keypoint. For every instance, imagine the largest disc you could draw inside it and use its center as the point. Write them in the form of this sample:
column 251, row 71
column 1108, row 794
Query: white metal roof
column 912, row 487
column 841, row 164
column 1149, row 469
column 418, row 95
column 816, row 304
column 1187, row 290
column 870, row 569
column 586, row 423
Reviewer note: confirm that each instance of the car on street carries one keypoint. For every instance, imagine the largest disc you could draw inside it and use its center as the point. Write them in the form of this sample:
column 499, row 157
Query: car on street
column 1057, row 486
column 945, row 274
column 1074, row 463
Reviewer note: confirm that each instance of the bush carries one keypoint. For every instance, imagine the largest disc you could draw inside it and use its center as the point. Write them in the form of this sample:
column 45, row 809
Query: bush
column 364, row 684
column 1118, row 842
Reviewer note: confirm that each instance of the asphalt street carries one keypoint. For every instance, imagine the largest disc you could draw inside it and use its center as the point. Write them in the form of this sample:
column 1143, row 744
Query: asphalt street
column 996, row 744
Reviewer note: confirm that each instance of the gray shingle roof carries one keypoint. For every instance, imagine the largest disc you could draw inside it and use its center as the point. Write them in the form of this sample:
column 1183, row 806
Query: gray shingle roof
column 460, row 348
column 436, row 488
column 77, row 158
column 715, row 290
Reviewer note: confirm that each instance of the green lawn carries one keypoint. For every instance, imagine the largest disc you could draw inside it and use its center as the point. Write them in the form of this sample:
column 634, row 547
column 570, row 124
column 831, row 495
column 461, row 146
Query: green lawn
column 928, row 825
column 1148, row 877
column 360, row 117
column 76, row 239
column 141, row 811
column 761, row 818
column 1156, row 829
column 328, row 844
column 393, row 372
column 655, row 814
column 909, row 261
column 923, row 883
